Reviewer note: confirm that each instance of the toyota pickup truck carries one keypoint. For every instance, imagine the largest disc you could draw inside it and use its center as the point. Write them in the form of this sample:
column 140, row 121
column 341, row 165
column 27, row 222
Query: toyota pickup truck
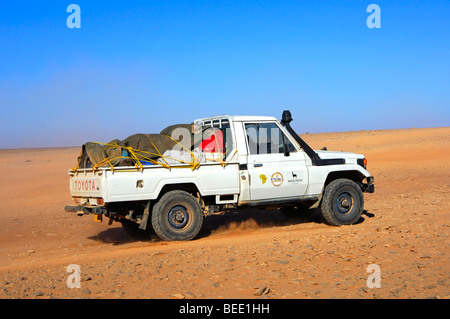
column 263, row 163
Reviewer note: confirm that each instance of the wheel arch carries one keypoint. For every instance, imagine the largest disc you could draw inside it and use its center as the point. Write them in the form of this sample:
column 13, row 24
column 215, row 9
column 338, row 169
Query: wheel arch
column 353, row 175
column 190, row 188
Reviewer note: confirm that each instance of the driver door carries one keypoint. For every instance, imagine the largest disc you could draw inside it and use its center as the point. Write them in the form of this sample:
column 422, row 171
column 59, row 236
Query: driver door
column 274, row 174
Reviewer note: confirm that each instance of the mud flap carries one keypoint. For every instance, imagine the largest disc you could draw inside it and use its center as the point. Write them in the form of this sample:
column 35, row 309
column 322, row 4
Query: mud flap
column 143, row 224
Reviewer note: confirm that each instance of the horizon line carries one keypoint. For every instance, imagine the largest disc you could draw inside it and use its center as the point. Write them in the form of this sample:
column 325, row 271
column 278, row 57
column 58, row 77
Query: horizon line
column 306, row 133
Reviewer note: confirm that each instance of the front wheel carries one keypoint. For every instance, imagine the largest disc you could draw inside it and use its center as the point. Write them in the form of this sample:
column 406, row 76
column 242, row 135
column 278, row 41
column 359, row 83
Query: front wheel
column 342, row 202
column 177, row 216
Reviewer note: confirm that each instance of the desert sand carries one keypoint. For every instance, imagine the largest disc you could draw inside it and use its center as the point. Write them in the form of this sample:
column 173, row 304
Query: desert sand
column 404, row 230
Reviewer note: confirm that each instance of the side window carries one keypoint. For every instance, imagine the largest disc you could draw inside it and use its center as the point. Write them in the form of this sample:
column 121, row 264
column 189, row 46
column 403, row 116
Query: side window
column 216, row 137
column 266, row 138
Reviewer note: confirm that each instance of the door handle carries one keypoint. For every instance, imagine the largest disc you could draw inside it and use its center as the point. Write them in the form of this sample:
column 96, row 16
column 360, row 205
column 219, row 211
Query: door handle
column 257, row 165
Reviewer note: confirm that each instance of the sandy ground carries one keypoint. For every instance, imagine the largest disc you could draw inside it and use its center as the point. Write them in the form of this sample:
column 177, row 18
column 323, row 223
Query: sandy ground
column 404, row 231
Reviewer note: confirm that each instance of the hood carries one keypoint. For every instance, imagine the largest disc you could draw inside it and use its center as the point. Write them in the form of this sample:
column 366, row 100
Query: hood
column 334, row 154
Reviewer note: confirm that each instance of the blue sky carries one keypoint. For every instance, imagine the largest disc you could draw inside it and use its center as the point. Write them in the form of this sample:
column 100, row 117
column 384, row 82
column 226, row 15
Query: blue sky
column 139, row 66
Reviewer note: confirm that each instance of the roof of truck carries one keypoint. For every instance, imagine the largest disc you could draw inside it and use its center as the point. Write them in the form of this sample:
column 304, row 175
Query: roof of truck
column 244, row 118
column 240, row 118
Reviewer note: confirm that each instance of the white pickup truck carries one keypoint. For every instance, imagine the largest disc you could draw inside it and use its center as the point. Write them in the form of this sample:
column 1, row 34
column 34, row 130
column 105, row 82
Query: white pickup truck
column 264, row 164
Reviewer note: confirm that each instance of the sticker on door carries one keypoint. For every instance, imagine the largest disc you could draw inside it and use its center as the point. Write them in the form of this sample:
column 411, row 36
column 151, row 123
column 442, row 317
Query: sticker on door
column 277, row 179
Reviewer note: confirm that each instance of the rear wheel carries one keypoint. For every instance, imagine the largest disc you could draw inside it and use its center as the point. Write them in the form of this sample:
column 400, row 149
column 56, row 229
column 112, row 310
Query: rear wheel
column 177, row 216
column 342, row 202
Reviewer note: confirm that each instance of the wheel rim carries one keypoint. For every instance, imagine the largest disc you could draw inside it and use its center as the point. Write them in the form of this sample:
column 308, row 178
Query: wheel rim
column 178, row 217
column 344, row 203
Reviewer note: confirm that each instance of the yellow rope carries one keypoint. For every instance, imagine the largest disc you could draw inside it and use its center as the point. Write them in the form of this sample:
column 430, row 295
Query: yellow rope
column 133, row 155
column 79, row 162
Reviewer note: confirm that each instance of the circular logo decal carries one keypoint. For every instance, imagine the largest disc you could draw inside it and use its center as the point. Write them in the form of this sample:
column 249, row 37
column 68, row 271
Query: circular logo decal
column 277, row 179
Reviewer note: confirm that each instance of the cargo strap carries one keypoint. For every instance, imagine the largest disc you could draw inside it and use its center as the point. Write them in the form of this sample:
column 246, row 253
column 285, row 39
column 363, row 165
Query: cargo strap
column 144, row 155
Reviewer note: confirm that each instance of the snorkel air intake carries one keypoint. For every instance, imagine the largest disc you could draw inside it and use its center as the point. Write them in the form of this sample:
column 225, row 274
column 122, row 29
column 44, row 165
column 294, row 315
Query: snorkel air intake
column 286, row 119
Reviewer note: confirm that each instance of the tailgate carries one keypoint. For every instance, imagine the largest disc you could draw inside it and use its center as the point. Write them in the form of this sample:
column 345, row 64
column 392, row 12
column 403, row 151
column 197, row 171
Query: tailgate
column 86, row 183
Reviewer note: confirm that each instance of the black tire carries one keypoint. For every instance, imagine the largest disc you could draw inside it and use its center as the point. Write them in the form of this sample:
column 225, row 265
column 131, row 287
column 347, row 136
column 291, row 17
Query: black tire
column 342, row 202
column 177, row 216
column 132, row 229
